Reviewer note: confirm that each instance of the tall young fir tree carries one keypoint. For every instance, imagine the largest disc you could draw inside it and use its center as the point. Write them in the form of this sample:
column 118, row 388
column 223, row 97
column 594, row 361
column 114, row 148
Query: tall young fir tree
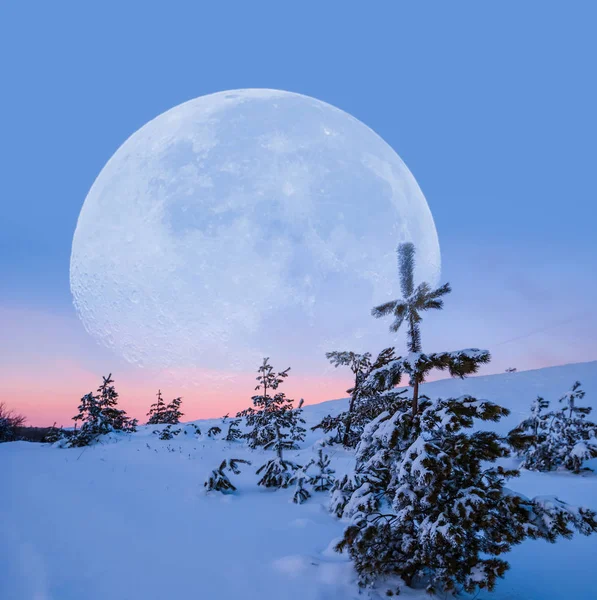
column 98, row 415
column 563, row 438
column 379, row 387
column 422, row 501
column 275, row 424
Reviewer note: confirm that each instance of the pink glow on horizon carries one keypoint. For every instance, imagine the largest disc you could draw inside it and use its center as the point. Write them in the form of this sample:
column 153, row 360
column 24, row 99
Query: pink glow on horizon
column 54, row 397
column 52, row 393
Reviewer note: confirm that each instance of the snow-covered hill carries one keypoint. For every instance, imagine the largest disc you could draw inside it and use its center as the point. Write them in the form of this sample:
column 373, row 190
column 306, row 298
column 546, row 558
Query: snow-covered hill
column 129, row 519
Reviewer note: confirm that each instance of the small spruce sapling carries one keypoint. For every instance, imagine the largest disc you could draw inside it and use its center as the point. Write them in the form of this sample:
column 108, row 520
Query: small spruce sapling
column 219, row 481
column 275, row 425
column 168, row 433
column 323, row 479
column 233, row 433
column 529, row 437
column 214, row 431
column 301, row 480
column 55, row 434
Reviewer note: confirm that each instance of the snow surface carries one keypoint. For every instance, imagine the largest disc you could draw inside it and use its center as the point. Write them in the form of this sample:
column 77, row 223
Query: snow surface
column 129, row 519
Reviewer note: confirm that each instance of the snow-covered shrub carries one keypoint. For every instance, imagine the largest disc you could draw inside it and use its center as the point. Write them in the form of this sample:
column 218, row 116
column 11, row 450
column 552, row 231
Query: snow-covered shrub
column 9, row 423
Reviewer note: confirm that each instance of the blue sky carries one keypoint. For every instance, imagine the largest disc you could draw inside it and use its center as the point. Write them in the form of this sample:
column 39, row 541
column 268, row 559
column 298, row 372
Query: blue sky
column 491, row 106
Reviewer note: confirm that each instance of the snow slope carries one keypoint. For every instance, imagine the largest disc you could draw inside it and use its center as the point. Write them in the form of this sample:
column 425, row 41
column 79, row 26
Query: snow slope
column 129, row 520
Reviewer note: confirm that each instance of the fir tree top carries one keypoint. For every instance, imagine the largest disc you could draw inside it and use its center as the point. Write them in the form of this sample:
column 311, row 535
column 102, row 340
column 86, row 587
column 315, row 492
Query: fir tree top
column 414, row 300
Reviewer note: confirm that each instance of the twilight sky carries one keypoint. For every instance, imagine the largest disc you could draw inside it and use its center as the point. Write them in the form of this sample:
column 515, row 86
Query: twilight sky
column 491, row 106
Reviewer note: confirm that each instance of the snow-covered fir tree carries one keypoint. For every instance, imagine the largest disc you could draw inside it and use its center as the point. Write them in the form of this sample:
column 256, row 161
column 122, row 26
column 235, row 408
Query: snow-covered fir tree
column 275, row 424
column 272, row 418
column 54, row 435
column 157, row 411
column 363, row 406
column 379, row 387
column 323, row 478
column 161, row 413
column 578, row 435
column 433, row 510
column 214, row 431
column 172, row 413
column 219, row 481
column 559, row 439
column 167, row 433
column 529, row 438
column 315, row 476
column 98, row 415
column 342, row 492
column 233, row 432
column 297, row 431
column 301, row 479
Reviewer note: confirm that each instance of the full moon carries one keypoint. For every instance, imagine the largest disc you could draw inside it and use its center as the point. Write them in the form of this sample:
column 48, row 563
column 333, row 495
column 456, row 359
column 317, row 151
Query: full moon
column 244, row 224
